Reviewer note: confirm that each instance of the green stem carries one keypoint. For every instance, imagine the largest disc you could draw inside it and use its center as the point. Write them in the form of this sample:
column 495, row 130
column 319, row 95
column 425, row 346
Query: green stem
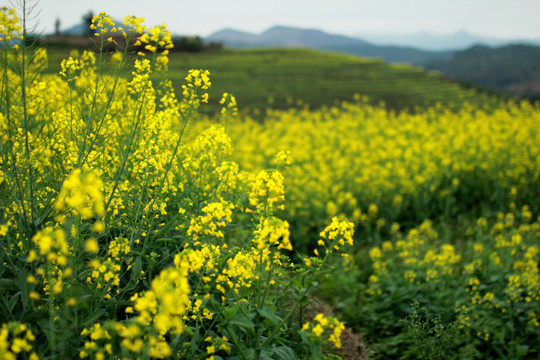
column 106, row 109
column 303, row 293
column 88, row 130
column 127, row 152
column 52, row 337
column 267, row 285
column 7, row 308
column 30, row 180
column 185, row 117
column 235, row 343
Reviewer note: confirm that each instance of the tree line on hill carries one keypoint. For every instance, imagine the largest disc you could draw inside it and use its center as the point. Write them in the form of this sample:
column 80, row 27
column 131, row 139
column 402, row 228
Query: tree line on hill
column 512, row 69
column 181, row 43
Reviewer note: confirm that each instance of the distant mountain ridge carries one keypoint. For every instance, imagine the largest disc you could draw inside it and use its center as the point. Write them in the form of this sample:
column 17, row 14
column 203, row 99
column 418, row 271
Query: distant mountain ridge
column 283, row 36
column 436, row 42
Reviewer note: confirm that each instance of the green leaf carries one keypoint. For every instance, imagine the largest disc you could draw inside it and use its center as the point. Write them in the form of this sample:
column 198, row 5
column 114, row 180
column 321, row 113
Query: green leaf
column 94, row 316
column 250, row 354
column 8, row 284
column 304, row 337
column 13, row 301
column 243, row 322
column 23, row 286
column 136, row 270
column 168, row 226
column 2, row 268
column 522, row 349
column 283, row 353
column 230, row 312
column 269, row 315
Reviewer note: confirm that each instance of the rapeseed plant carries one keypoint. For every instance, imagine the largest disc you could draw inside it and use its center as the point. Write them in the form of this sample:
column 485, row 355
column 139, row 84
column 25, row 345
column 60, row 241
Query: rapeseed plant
column 379, row 168
column 488, row 284
column 123, row 238
column 149, row 238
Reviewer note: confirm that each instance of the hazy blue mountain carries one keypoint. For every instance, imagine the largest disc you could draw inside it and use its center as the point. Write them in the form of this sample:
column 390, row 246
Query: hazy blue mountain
column 289, row 36
column 431, row 41
column 282, row 36
column 233, row 38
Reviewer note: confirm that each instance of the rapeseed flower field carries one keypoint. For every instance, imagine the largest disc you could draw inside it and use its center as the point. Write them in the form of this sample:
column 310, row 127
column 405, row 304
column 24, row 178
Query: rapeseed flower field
column 133, row 227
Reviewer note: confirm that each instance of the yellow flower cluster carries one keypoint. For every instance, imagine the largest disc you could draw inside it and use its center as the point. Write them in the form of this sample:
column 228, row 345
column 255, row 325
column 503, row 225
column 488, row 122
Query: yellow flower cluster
column 96, row 333
column 514, row 261
column 133, row 341
column 16, row 342
column 273, row 231
column 419, row 260
column 158, row 38
column 70, row 68
column 326, row 325
column 132, row 24
column 493, row 276
column 164, row 305
column 394, row 167
column 217, row 215
column 196, row 79
column 229, row 105
column 10, row 27
column 241, row 270
column 53, row 247
column 268, row 192
column 106, row 273
column 336, row 235
column 51, row 243
column 103, row 24
column 140, row 83
column 282, row 159
column 193, row 260
column 119, row 249
column 82, row 195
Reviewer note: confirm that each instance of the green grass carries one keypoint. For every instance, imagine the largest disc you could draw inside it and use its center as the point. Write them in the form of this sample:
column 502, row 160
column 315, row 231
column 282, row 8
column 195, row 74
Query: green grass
column 303, row 76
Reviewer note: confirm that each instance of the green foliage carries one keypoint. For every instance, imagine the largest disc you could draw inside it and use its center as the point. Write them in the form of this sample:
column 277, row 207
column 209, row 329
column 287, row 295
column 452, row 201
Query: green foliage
column 433, row 339
column 512, row 69
column 483, row 286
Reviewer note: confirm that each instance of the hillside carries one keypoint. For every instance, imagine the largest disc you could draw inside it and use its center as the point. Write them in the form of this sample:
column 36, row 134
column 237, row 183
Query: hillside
column 282, row 36
column 281, row 78
column 293, row 76
column 513, row 69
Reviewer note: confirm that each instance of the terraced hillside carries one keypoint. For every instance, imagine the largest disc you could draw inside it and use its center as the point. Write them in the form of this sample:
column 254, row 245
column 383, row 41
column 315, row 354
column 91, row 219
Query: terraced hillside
column 279, row 78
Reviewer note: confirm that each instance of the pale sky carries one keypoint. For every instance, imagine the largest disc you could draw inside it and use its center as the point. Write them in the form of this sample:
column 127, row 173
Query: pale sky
column 494, row 18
